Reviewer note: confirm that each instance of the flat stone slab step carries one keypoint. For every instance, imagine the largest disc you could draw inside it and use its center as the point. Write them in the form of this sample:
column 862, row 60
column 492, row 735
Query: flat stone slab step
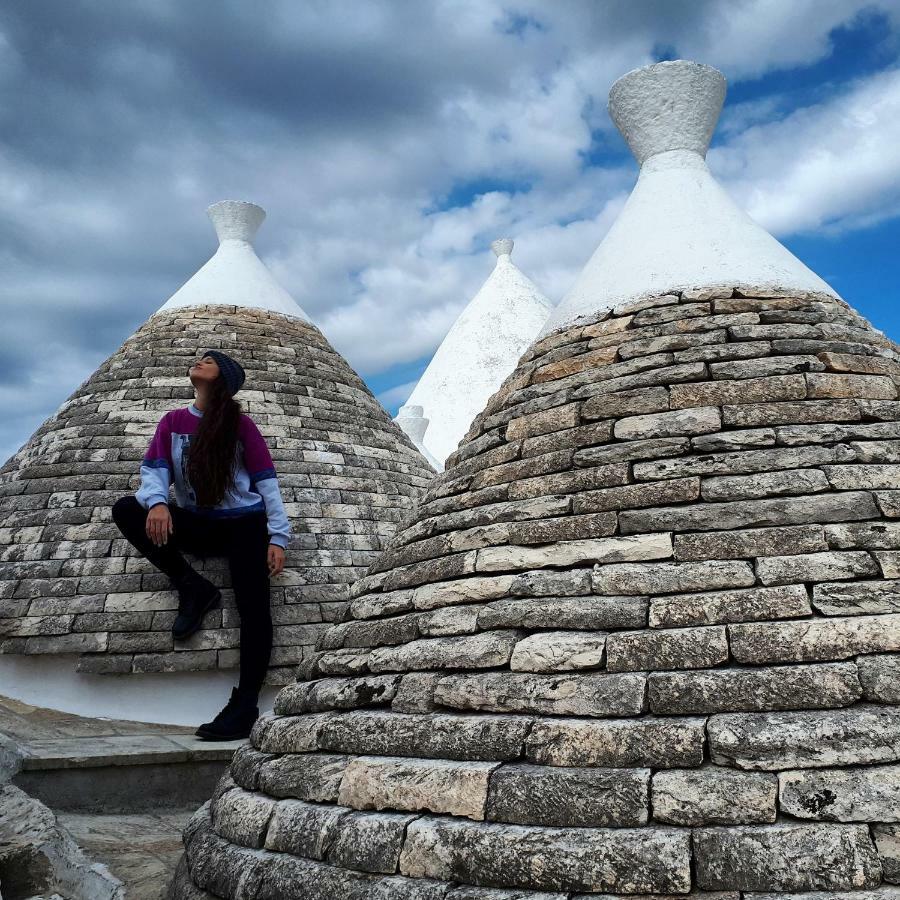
column 122, row 750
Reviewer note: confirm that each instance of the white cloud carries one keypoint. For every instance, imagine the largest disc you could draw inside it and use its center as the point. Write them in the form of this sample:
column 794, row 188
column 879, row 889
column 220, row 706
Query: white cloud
column 830, row 166
column 349, row 123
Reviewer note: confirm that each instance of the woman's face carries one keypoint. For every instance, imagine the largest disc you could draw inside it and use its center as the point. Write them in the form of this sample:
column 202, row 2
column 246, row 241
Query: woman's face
column 204, row 371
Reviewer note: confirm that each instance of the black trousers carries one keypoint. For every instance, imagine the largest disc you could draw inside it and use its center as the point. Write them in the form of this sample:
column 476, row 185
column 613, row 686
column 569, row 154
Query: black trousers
column 244, row 541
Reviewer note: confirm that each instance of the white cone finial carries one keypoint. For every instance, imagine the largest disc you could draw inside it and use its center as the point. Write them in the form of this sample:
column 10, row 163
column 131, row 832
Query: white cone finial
column 235, row 275
column 679, row 230
column 502, row 247
column 236, row 220
column 668, row 106
column 414, row 425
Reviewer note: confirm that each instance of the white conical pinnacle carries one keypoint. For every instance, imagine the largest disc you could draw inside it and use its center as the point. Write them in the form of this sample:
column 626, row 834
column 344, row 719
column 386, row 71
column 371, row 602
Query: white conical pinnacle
column 502, row 247
column 235, row 275
column 236, row 220
column 679, row 230
column 668, row 106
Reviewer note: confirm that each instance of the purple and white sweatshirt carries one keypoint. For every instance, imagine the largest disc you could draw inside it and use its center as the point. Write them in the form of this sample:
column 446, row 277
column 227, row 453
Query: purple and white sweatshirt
column 255, row 486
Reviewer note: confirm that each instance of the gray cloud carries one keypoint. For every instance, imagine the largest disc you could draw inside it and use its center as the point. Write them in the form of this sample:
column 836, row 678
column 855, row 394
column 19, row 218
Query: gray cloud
column 348, row 121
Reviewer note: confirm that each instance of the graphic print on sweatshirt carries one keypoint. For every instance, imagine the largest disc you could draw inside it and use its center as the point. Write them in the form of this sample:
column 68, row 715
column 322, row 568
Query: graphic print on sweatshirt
column 254, row 487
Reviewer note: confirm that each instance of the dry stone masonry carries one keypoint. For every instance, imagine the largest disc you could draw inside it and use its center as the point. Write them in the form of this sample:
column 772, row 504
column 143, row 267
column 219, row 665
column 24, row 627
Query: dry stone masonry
column 70, row 584
column 641, row 637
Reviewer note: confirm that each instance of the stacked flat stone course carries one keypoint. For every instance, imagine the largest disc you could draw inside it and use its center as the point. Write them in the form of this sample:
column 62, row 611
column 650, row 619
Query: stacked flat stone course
column 69, row 583
column 641, row 638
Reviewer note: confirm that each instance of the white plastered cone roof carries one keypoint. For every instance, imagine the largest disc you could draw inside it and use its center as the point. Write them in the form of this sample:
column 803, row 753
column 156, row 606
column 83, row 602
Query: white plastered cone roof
column 235, row 275
column 478, row 353
column 679, row 229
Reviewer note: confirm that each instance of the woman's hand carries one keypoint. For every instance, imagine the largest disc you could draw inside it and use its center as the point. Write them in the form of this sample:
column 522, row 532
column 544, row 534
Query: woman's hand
column 159, row 524
column 276, row 560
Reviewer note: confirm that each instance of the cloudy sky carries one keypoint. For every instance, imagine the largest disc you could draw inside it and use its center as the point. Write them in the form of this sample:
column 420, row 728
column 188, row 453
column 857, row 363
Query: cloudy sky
column 390, row 142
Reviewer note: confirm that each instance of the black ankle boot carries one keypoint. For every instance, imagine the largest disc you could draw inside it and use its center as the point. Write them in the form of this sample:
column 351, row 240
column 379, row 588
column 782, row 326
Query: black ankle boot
column 235, row 721
column 196, row 596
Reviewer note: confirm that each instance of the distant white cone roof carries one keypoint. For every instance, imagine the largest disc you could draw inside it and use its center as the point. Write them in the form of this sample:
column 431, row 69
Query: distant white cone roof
column 235, row 275
column 679, row 230
column 478, row 353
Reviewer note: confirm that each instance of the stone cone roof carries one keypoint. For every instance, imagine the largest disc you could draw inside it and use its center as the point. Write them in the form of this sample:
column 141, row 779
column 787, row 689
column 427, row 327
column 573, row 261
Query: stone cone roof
column 70, row 584
column 478, row 353
column 641, row 637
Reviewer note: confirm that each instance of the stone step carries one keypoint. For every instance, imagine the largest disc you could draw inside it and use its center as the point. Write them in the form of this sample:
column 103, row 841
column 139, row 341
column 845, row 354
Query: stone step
column 122, row 773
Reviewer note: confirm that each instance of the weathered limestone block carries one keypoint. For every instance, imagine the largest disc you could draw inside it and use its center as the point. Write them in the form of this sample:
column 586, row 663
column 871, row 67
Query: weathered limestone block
column 416, row 692
column 437, row 736
column 287, row 734
column 618, row 860
column 475, row 893
column 341, row 662
column 889, row 561
column 304, row 829
column 882, row 892
column 559, row 651
column 246, row 765
column 633, row 496
column 845, row 507
column 674, row 648
column 669, row 578
column 887, row 842
column 865, row 794
column 574, row 798
column 751, row 604
column 880, row 677
column 828, row 566
column 548, row 584
column 864, row 535
column 436, row 785
column 763, row 484
column 714, row 796
column 740, row 462
column 677, row 423
column 869, row 387
column 477, row 651
column 590, row 613
column 450, row 620
column 755, row 690
column 572, row 695
column 634, row 450
column 786, row 858
column 857, row 598
column 801, row 412
column 726, row 441
column 555, row 419
column 809, row 641
column 863, row 477
column 464, row 590
column 312, row 776
column 765, row 366
column 372, row 842
column 371, row 606
column 570, row 481
column 573, row 553
column 242, row 817
column 889, row 503
column 862, row 735
column 571, row 366
column 746, row 390
column 749, row 543
column 336, row 693
column 664, row 743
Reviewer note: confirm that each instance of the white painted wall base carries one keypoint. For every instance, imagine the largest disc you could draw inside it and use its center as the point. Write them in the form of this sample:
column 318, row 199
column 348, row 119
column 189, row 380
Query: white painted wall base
column 174, row 698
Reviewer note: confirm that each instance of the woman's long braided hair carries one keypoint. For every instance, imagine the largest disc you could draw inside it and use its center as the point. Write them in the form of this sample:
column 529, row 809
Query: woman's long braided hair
column 213, row 449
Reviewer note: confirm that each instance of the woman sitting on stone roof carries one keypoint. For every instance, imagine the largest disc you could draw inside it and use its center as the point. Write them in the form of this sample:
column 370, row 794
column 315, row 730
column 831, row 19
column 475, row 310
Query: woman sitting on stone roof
column 228, row 503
